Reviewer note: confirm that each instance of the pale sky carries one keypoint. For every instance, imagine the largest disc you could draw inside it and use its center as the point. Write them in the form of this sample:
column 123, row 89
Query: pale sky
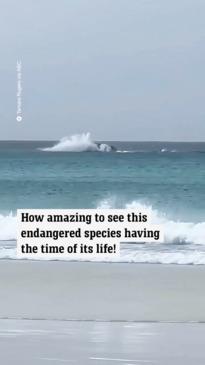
column 120, row 69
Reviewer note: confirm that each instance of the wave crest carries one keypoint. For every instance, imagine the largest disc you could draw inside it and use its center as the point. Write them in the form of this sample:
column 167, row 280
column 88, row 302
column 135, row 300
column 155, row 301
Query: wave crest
column 175, row 232
column 8, row 225
column 184, row 242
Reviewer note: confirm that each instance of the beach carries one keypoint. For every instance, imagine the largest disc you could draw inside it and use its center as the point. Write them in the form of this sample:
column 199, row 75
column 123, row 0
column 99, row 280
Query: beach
column 101, row 291
column 55, row 342
column 102, row 183
column 72, row 312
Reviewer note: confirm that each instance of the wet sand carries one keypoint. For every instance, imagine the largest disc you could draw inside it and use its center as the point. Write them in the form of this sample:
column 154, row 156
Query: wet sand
column 87, row 313
column 86, row 343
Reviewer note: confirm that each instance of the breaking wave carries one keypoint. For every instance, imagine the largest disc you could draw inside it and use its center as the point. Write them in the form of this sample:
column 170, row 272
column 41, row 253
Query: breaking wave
column 78, row 143
column 184, row 242
column 175, row 232
column 7, row 227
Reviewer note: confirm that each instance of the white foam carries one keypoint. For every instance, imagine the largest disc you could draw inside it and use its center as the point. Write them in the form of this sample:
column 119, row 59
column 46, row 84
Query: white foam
column 78, row 143
column 151, row 257
column 177, row 232
column 7, row 227
column 178, row 236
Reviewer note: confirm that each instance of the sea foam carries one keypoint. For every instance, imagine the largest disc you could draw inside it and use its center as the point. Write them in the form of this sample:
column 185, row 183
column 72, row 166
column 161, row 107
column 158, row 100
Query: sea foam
column 184, row 242
column 8, row 225
column 176, row 232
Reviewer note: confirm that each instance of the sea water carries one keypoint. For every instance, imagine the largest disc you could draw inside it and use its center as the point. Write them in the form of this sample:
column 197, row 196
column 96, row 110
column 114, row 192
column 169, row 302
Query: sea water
column 162, row 178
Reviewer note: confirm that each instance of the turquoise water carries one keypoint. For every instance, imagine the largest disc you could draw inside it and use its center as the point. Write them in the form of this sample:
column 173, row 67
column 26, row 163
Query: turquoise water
column 168, row 178
column 172, row 182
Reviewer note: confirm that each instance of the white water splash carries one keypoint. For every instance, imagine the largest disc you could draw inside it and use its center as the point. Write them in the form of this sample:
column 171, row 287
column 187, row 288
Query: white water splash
column 78, row 143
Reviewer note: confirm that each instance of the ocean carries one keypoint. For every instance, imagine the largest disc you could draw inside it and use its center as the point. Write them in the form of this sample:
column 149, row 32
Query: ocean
column 164, row 178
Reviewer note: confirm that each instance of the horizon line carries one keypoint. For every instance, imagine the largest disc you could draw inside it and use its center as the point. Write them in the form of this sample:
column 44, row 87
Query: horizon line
column 102, row 140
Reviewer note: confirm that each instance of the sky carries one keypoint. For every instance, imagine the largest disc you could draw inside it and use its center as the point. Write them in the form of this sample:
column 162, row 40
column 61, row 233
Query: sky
column 119, row 69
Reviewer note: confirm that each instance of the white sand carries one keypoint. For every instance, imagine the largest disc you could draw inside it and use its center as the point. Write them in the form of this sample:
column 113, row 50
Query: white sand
column 110, row 292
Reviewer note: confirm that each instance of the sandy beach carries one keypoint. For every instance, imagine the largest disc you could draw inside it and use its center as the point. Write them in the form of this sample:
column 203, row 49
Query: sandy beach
column 55, row 342
column 88, row 313
column 98, row 291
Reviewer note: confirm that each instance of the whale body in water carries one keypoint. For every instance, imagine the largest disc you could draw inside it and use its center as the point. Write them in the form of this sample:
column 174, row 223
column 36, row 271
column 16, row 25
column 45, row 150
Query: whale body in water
column 79, row 143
